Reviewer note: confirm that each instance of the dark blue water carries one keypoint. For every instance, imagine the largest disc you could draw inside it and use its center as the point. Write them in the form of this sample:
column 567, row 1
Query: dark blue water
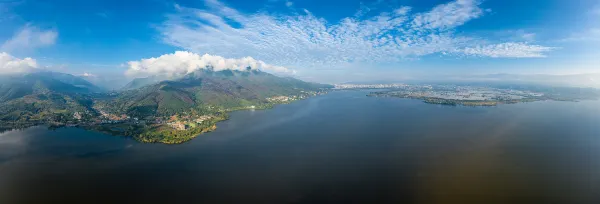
column 339, row 148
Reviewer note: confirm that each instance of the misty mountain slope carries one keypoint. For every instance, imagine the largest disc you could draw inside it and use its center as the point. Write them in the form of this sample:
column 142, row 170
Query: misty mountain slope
column 107, row 81
column 17, row 86
column 256, row 80
column 69, row 79
column 226, row 89
column 141, row 82
column 12, row 89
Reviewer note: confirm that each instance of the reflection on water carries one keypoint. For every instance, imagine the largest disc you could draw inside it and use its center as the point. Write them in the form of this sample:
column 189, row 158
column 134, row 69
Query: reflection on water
column 342, row 147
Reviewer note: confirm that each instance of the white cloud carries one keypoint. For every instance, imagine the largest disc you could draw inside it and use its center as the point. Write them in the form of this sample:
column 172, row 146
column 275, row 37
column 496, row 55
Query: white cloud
column 182, row 62
column 402, row 10
column 289, row 3
column 29, row 37
column 448, row 16
column 513, row 50
column 86, row 74
column 528, row 36
column 304, row 40
column 11, row 65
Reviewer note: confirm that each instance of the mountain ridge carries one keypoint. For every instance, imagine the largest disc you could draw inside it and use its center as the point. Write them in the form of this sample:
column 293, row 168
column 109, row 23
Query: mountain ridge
column 166, row 109
column 218, row 88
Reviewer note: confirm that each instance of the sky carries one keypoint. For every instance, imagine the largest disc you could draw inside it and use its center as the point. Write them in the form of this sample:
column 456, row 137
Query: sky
column 327, row 41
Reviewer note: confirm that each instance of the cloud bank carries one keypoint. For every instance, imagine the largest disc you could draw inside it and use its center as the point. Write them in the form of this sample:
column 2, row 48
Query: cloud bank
column 12, row 65
column 305, row 40
column 183, row 62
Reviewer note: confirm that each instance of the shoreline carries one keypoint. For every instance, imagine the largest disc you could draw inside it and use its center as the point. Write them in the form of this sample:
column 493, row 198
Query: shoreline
column 140, row 133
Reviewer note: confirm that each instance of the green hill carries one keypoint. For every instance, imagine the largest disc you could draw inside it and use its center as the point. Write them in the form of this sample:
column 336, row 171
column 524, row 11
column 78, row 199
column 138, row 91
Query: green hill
column 42, row 97
column 223, row 89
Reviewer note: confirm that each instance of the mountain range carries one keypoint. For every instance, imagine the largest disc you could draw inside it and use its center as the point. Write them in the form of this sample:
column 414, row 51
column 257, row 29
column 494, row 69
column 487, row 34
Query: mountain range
column 45, row 97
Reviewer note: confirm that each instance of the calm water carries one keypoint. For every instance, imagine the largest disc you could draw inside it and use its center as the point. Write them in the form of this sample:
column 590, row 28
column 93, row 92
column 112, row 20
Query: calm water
column 341, row 147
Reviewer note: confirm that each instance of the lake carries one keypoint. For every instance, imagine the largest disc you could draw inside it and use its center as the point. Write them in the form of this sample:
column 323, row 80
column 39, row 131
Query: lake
column 342, row 147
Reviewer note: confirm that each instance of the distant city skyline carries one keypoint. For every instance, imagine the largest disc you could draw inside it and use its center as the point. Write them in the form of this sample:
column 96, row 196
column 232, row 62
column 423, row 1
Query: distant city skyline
column 322, row 41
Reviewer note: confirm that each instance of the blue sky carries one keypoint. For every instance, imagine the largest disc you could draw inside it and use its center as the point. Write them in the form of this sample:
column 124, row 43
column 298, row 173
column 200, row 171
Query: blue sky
column 325, row 41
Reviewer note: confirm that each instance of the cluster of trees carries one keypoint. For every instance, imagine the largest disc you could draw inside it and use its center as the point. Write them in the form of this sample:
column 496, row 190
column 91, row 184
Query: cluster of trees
column 169, row 135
